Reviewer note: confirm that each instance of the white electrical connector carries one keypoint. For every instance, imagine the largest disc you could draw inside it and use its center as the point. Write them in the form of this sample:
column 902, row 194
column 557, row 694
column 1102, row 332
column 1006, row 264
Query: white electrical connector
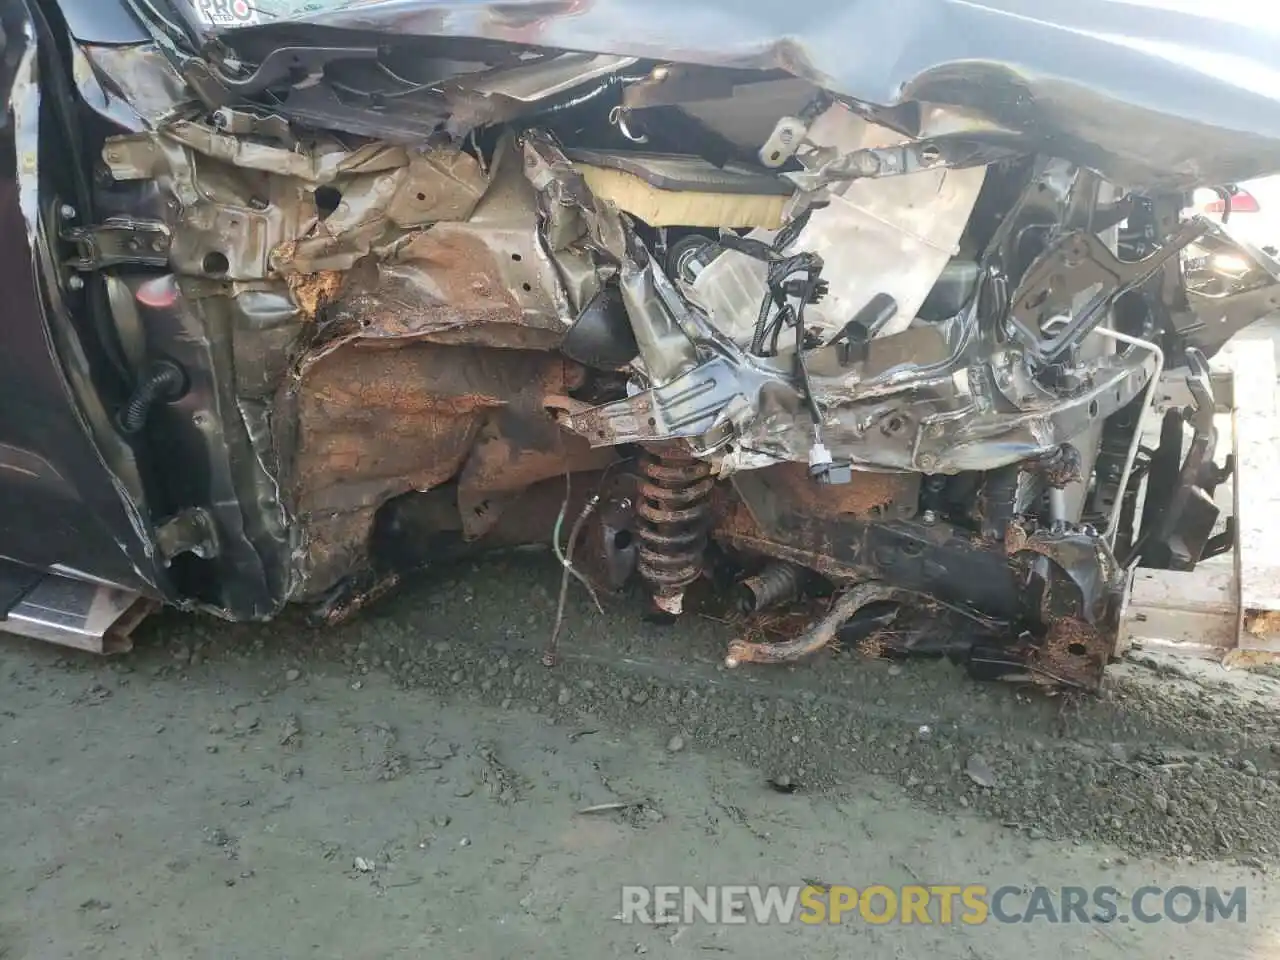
column 820, row 459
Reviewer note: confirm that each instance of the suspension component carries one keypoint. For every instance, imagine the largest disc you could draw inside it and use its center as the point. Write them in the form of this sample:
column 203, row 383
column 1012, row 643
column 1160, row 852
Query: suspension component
column 672, row 511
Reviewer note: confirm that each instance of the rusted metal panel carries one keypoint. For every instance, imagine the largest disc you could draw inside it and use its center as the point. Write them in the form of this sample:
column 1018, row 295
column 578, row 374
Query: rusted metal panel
column 515, row 449
column 373, row 423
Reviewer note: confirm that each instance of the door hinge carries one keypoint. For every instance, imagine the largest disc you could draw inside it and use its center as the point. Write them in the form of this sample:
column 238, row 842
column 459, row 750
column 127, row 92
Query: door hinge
column 118, row 241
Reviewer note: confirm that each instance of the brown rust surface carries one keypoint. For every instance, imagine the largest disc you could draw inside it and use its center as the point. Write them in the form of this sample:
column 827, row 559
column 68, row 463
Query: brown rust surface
column 312, row 292
column 869, row 495
column 374, row 422
column 517, row 447
column 1074, row 651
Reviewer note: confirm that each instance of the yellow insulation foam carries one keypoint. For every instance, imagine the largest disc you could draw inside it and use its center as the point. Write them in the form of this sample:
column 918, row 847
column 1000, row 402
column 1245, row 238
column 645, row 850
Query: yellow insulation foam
column 684, row 208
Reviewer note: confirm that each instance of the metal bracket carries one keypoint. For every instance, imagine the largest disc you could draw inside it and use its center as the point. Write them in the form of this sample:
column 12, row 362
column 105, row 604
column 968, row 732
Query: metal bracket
column 826, row 165
column 687, row 406
column 1076, row 263
column 243, row 123
column 118, row 241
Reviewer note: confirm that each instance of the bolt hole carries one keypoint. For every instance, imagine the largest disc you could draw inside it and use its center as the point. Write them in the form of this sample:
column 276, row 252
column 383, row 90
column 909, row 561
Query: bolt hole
column 910, row 549
column 774, row 157
column 622, row 540
column 653, row 422
column 516, row 257
column 215, row 263
column 526, row 287
column 327, row 200
column 422, row 197
column 1077, row 649
column 1093, row 408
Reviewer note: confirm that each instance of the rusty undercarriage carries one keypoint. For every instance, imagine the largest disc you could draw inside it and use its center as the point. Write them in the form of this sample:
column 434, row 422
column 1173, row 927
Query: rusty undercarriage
column 779, row 335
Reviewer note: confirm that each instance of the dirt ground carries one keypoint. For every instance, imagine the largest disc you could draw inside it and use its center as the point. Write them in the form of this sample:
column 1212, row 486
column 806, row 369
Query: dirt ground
column 409, row 784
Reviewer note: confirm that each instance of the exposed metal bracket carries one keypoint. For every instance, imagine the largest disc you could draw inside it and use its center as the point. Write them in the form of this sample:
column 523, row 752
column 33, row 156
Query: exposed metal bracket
column 118, row 241
column 826, row 165
column 1075, row 264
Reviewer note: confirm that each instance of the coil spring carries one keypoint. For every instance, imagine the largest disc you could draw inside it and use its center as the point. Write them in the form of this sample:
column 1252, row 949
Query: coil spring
column 674, row 503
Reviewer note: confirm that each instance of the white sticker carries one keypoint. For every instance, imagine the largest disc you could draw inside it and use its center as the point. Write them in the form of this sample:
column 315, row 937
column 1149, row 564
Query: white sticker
column 227, row 13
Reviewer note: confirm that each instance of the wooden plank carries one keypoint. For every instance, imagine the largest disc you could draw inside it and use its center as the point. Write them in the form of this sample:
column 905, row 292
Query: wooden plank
column 1257, row 487
column 1191, row 613
column 1172, row 390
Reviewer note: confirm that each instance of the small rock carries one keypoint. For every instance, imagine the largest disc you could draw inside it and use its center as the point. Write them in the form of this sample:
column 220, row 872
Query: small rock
column 675, row 744
column 979, row 771
column 783, row 783
column 363, row 865
column 894, row 670
column 464, row 842
column 442, row 820
column 292, row 675
column 640, row 698
column 463, row 790
column 457, row 677
column 564, row 697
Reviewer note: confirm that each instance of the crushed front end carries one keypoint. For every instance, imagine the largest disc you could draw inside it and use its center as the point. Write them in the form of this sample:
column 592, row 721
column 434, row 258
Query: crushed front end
column 686, row 322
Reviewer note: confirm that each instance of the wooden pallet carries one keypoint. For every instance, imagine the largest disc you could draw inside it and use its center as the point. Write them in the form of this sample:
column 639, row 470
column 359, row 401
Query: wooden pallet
column 1229, row 606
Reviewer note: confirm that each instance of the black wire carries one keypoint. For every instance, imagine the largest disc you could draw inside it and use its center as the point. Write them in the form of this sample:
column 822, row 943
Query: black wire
column 779, row 323
column 1225, row 194
column 801, row 368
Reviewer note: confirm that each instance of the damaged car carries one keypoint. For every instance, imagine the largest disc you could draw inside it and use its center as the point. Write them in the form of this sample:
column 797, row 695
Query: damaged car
column 859, row 299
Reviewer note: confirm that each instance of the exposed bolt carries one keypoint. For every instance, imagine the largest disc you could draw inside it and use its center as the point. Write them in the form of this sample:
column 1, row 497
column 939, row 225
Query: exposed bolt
column 927, row 461
column 67, row 211
column 929, row 516
column 75, row 283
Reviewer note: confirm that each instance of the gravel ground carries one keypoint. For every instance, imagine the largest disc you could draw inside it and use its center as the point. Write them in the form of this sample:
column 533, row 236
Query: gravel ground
column 410, row 782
